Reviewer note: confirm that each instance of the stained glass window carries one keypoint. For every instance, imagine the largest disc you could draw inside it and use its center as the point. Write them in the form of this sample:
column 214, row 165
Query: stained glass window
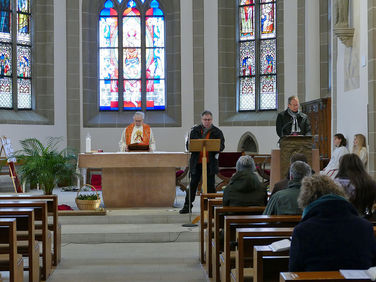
column 257, row 39
column 142, row 54
column 15, row 44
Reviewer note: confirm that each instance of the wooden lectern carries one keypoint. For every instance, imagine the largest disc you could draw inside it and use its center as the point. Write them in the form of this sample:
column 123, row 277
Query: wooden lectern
column 281, row 158
column 204, row 145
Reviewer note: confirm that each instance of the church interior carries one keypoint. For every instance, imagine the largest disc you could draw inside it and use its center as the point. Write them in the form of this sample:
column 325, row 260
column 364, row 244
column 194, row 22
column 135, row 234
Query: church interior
column 65, row 63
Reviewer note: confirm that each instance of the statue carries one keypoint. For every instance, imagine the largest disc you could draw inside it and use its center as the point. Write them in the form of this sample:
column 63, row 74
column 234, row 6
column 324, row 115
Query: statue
column 342, row 13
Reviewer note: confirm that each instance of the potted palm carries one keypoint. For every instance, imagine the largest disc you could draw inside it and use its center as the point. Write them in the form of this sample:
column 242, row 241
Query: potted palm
column 45, row 164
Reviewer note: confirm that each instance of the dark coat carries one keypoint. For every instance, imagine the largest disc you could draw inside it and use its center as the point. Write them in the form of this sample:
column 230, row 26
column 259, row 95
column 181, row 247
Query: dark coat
column 197, row 133
column 244, row 190
column 332, row 236
column 284, row 123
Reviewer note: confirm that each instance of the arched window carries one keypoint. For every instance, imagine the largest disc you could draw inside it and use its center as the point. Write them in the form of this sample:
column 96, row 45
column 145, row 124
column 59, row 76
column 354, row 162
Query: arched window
column 140, row 46
column 257, row 37
column 15, row 54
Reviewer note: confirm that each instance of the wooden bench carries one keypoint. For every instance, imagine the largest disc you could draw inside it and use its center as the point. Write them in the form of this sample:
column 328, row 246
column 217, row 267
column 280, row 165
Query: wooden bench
column 232, row 222
column 25, row 222
column 209, row 233
column 55, row 226
column 40, row 213
column 219, row 214
column 314, row 276
column 272, row 262
column 12, row 261
column 244, row 249
column 204, row 198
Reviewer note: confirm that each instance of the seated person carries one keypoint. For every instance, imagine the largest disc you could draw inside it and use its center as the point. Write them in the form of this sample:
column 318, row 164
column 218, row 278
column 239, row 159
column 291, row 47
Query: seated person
column 283, row 184
column 137, row 132
column 360, row 188
column 331, row 235
column 360, row 148
column 285, row 201
column 340, row 149
column 244, row 188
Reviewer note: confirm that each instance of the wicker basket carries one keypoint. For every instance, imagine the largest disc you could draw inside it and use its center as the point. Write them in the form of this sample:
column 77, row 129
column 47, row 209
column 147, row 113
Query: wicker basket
column 88, row 204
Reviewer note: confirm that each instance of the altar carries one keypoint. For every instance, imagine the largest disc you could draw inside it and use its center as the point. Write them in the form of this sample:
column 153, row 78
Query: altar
column 136, row 179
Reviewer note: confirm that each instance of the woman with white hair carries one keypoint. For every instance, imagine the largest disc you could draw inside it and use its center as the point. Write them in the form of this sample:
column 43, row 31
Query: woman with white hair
column 331, row 235
column 244, row 188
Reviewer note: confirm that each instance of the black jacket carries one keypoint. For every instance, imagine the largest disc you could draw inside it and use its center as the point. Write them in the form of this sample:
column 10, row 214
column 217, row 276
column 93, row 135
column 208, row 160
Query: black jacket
column 284, row 124
column 196, row 133
column 332, row 236
column 244, row 190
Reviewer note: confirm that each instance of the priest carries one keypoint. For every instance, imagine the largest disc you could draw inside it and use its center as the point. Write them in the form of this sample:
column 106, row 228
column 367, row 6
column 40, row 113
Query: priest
column 137, row 132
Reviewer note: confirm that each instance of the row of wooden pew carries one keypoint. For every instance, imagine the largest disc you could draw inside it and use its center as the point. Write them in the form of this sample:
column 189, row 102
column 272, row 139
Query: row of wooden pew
column 234, row 244
column 26, row 223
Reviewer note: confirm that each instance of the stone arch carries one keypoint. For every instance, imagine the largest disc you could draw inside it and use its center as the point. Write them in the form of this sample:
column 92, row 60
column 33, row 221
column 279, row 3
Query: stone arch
column 248, row 143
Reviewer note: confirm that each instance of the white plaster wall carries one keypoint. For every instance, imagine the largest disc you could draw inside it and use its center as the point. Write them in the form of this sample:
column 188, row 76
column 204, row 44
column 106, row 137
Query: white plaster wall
column 20, row 132
column 352, row 105
column 312, row 46
column 290, row 31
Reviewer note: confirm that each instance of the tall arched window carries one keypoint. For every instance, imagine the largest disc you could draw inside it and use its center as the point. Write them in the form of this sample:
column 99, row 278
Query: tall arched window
column 257, row 83
column 15, row 54
column 140, row 46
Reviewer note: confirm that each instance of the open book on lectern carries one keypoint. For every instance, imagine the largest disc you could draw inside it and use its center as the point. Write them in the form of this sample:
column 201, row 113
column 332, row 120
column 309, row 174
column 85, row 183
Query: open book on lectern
column 211, row 145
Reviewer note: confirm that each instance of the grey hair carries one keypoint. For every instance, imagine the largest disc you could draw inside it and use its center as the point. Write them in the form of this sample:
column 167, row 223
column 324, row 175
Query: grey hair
column 292, row 98
column 206, row 112
column 245, row 163
column 299, row 169
column 317, row 186
column 139, row 114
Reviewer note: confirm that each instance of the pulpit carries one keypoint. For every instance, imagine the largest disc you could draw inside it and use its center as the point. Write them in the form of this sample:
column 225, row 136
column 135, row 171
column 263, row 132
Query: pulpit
column 136, row 179
column 289, row 145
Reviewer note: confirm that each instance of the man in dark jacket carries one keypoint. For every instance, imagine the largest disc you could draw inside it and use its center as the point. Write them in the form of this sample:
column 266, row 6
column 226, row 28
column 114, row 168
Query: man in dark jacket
column 285, row 202
column 244, row 188
column 206, row 130
column 292, row 121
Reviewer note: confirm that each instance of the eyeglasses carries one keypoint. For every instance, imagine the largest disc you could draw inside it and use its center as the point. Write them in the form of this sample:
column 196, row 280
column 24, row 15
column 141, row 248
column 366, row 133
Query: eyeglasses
column 207, row 119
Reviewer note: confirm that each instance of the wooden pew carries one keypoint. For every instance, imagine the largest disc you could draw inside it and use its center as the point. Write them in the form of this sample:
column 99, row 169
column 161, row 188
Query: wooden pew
column 231, row 222
column 244, row 250
column 25, row 222
column 219, row 214
column 55, row 226
column 40, row 213
column 314, row 276
column 12, row 261
column 263, row 254
column 204, row 198
column 209, row 233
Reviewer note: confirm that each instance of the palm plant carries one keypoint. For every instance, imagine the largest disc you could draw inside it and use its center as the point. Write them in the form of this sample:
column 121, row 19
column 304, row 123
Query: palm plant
column 45, row 164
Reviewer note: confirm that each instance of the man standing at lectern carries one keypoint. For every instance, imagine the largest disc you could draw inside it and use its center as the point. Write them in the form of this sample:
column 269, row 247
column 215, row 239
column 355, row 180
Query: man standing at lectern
column 206, row 130
column 292, row 121
column 137, row 132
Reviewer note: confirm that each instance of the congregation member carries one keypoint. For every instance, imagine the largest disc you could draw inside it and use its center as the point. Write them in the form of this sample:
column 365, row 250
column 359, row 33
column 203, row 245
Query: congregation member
column 283, row 184
column 331, row 235
column 205, row 130
column 292, row 121
column 360, row 148
column 339, row 142
column 245, row 189
column 284, row 202
column 357, row 183
column 137, row 132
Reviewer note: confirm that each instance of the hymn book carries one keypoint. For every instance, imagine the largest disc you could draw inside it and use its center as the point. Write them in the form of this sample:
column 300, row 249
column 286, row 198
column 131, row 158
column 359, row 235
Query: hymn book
column 279, row 246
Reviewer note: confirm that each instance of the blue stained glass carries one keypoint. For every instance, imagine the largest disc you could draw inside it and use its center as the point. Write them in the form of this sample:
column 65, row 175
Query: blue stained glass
column 108, row 4
column 154, row 32
column 143, row 1
column 108, row 32
column 154, row 4
column 23, row 6
column 120, row 1
column 155, row 95
column 4, row 22
column 5, row 5
column 154, row 11
column 155, row 63
column 131, row 4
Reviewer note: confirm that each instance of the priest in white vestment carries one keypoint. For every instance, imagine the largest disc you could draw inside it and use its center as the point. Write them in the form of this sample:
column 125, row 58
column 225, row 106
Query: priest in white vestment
column 137, row 132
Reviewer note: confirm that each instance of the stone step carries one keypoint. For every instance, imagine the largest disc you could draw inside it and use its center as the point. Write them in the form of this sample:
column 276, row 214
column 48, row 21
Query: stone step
column 133, row 216
column 128, row 233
